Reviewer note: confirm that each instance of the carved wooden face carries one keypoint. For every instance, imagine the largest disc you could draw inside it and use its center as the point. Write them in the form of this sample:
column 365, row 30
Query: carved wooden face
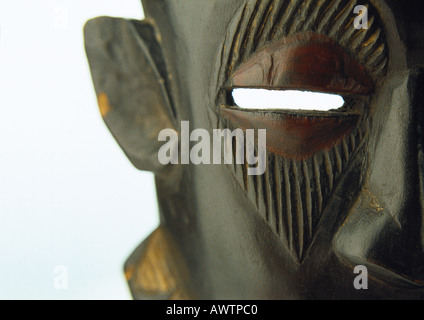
column 342, row 187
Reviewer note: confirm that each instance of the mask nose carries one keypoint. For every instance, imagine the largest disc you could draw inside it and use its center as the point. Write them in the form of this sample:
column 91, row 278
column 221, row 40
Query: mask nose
column 385, row 228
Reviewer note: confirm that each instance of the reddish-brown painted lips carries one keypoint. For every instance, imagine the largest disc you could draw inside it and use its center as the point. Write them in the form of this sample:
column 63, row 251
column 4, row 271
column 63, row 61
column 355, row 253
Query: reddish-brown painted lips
column 308, row 62
column 305, row 61
column 293, row 136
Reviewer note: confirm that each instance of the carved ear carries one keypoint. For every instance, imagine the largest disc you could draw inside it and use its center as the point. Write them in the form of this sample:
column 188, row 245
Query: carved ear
column 131, row 84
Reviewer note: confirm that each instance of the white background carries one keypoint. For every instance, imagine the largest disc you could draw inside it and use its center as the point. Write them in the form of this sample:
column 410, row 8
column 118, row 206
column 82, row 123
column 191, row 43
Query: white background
column 68, row 195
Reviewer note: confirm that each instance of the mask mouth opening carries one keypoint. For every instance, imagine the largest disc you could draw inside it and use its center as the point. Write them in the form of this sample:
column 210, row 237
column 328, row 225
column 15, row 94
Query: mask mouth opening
column 290, row 100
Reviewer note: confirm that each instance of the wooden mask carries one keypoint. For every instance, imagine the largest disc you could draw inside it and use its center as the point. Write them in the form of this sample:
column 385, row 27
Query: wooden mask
column 342, row 188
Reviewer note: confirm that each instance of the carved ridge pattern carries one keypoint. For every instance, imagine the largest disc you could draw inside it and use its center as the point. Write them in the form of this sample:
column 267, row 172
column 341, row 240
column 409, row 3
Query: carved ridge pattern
column 292, row 195
column 261, row 22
